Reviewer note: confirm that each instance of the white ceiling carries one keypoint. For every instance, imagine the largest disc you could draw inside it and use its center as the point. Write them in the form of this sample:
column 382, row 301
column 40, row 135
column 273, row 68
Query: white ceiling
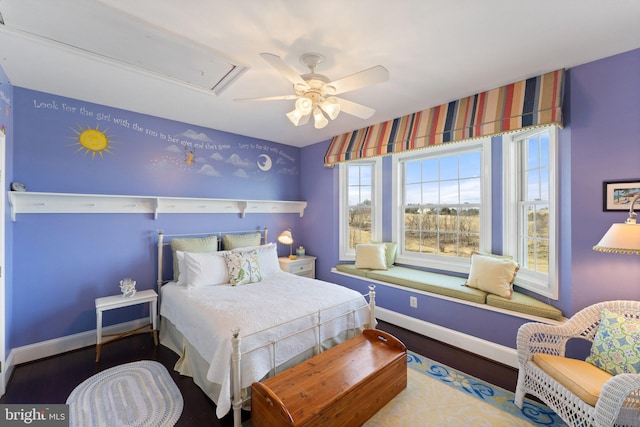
column 435, row 52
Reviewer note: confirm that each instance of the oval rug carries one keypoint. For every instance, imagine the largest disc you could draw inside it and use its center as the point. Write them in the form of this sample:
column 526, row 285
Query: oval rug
column 134, row 394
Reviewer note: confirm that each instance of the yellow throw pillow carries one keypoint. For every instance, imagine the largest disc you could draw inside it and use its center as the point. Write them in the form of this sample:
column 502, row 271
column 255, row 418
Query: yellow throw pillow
column 371, row 255
column 492, row 274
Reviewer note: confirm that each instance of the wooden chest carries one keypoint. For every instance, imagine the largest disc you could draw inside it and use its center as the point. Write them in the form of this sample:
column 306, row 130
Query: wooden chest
column 343, row 386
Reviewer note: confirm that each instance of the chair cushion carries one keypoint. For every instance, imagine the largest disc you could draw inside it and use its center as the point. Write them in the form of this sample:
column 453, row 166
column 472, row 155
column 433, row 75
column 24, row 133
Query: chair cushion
column 579, row 377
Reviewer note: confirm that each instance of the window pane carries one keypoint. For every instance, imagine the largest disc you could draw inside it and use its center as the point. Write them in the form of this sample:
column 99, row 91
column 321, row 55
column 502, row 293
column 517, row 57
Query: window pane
column 429, row 243
column 470, row 190
column 470, row 165
column 533, row 185
column 542, row 222
column 412, row 194
column 412, row 241
column 412, row 172
column 432, row 223
column 430, row 193
column 469, row 220
column 449, row 167
column 449, row 192
column 533, row 159
column 469, row 243
column 544, row 149
column 430, row 170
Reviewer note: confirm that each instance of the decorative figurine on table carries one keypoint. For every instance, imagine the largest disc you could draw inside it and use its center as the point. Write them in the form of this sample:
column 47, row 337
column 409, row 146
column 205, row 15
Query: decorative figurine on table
column 128, row 287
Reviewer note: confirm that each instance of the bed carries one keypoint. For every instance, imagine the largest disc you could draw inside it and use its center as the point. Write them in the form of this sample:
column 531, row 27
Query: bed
column 233, row 328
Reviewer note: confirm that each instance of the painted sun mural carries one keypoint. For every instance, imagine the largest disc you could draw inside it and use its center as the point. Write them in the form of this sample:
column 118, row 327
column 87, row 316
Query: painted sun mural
column 94, row 141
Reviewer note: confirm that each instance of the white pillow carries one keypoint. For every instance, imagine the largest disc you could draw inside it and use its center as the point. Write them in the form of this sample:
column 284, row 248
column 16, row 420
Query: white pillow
column 371, row 255
column 267, row 258
column 205, row 269
column 182, row 269
column 493, row 274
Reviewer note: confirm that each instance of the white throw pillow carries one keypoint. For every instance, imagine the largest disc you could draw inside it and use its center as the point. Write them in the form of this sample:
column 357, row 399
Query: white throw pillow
column 371, row 255
column 182, row 267
column 205, row 269
column 267, row 258
column 493, row 274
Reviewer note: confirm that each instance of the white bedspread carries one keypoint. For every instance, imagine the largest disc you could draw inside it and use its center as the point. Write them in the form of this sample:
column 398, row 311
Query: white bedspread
column 206, row 316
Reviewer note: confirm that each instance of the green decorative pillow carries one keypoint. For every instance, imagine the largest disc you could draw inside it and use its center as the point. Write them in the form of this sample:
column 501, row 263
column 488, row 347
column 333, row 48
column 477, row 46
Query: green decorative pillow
column 235, row 241
column 243, row 267
column 616, row 345
column 195, row 244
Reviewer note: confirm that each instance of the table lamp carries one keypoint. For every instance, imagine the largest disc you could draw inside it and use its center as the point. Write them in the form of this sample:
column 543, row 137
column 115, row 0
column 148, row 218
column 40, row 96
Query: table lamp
column 287, row 239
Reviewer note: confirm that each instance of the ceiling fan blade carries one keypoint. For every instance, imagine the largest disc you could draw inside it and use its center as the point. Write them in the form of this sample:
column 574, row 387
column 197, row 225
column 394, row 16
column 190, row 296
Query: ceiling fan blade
column 355, row 109
column 289, row 73
column 268, row 98
column 363, row 78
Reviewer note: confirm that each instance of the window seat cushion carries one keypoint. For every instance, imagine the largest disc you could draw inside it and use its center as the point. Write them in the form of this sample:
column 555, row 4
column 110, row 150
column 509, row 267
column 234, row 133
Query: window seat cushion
column 581, row 378
column 351, row 269
column 525, row 304
column 436, row 283
column 452, row 286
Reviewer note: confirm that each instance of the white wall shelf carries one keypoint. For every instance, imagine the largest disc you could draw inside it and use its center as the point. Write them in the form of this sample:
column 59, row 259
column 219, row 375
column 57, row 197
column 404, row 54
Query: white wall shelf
column 34, row 202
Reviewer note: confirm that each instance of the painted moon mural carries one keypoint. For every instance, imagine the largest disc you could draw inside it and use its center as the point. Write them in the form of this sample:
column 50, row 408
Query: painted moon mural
column 264, row 162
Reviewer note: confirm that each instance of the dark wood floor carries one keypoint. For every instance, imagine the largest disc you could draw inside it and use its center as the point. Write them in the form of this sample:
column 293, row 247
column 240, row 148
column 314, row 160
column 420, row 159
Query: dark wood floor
column 52, row 379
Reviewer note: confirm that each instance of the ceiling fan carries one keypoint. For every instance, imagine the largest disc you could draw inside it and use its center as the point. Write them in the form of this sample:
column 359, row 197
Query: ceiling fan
column 315, row 93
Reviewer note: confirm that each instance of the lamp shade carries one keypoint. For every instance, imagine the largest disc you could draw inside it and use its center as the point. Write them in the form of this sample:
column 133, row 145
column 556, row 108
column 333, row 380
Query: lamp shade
column 620, row 238
column 285, row 238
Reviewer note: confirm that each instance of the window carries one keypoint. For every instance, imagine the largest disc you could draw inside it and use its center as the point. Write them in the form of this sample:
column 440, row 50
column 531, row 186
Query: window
column 443, row 201
column 360, row 205
column 529, row 229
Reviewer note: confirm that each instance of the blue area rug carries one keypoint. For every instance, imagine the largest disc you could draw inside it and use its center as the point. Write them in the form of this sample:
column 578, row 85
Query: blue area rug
column 533, row 412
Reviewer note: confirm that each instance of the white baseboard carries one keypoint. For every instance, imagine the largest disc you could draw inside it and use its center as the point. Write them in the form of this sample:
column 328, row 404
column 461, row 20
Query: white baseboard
column 488, row 349
column 55, row 346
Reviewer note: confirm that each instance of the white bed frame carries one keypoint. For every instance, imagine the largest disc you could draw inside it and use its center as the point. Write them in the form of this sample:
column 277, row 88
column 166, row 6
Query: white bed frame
column 237, row 353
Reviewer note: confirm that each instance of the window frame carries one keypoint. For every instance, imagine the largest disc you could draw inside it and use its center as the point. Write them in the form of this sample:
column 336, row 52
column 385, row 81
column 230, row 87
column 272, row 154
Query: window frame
column 513, row 158
column 346, row 253
column 441, row 262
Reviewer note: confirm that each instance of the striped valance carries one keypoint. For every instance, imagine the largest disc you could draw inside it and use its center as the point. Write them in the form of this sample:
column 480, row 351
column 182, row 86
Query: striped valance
column 532, row 102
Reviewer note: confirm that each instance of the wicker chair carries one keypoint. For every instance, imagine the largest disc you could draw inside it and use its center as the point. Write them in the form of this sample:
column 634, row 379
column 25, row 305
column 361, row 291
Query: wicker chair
column 619, row 400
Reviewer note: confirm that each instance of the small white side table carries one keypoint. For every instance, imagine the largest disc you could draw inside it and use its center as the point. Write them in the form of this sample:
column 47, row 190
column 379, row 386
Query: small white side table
column 300, row 266
column 117, row 301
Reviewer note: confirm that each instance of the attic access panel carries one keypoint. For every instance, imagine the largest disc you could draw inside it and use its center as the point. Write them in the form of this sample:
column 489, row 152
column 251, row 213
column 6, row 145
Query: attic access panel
column 95, row 28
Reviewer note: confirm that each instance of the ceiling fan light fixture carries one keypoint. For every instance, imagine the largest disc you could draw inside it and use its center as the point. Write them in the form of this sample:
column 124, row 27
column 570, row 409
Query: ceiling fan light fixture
column 331, row 106
column 304, row 105
column 319, row 119
column 295, row 117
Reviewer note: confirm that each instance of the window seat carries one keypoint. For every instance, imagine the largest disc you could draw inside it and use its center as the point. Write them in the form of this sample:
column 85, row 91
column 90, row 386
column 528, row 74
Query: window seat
column 452, row 286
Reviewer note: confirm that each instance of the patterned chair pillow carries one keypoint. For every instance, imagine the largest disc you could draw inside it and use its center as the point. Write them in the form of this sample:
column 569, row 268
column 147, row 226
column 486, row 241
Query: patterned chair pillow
column 616, row 345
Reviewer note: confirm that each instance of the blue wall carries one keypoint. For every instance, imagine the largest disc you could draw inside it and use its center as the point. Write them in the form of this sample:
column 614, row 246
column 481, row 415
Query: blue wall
column 600, row 142
column 58, row 264
column 62, row 262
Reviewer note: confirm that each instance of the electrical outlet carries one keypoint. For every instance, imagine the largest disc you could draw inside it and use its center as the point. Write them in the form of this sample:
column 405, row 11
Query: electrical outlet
column 413, row 302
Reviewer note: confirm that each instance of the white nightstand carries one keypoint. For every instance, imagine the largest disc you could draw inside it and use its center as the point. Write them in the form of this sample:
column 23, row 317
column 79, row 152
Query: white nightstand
column 301, row 266
column 117, row 301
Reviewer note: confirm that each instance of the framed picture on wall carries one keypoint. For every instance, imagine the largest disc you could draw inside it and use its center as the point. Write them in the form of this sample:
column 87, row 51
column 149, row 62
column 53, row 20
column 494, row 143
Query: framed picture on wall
column 618, row 195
